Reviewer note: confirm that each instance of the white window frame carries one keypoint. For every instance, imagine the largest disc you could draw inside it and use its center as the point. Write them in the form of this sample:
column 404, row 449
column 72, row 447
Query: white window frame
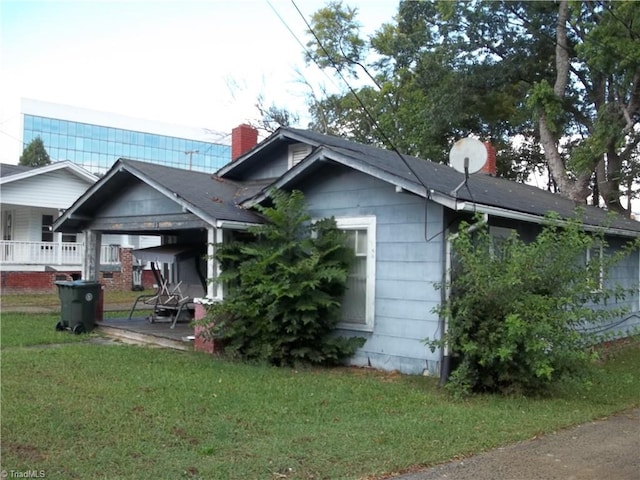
column 362, row 223
column 7, row 224
column 588, row 253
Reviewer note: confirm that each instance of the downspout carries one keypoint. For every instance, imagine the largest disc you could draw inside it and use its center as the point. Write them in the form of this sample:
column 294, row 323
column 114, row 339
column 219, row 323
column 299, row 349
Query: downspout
column 445, row 362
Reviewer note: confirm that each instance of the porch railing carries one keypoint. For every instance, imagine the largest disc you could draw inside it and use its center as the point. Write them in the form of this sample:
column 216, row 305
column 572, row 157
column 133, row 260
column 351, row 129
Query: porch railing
column 52, row 253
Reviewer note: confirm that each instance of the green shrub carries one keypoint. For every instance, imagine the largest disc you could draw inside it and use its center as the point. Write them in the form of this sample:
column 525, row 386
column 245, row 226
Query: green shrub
column 518, row 312
column 284, row 289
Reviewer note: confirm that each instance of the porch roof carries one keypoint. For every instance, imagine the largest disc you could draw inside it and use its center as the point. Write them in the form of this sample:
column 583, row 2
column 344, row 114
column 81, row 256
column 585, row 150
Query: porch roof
column 211, row 199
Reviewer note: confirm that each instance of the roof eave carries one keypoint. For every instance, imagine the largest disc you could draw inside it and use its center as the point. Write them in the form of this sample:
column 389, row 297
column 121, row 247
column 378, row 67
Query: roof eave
column 265, row 144
column 277, row 136
column 537, row 219
column 66, row 164
column 324, row 154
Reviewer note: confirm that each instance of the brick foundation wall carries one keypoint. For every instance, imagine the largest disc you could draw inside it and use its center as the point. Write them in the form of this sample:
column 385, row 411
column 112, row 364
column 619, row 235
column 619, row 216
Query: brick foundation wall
column 117, row 279
column 148, row 280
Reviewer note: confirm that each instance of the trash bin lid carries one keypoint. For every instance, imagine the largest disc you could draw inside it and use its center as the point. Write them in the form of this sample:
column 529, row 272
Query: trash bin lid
column 77, row 283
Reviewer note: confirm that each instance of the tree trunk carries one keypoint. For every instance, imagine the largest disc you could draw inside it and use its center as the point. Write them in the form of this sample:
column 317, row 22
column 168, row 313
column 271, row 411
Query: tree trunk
column 608, row 172
column 577, row 189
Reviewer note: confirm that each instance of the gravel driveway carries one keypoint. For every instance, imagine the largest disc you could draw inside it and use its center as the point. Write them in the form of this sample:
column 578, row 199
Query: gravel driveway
column 607, row 449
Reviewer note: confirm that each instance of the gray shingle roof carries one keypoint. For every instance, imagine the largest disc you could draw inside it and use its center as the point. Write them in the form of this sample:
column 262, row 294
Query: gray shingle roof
column 481, row 188
column 6, row 170
column 215, row 196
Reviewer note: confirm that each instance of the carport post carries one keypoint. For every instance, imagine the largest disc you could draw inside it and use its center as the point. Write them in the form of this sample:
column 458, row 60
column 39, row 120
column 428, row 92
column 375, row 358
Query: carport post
column 214, row 236
column 91, row 260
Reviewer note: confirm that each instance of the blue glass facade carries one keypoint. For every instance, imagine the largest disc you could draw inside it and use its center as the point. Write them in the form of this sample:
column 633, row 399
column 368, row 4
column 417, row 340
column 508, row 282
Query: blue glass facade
column 96, row 147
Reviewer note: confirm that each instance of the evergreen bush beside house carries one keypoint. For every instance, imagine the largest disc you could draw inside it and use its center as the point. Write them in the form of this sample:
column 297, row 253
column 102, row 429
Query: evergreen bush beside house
column 284, row 289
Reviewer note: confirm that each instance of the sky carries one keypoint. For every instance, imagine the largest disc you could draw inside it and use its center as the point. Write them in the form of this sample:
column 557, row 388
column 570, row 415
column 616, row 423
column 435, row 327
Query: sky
column 193, row 63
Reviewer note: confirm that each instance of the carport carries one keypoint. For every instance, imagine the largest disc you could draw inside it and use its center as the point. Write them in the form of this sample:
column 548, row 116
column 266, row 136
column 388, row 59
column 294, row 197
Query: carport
column 183, row 207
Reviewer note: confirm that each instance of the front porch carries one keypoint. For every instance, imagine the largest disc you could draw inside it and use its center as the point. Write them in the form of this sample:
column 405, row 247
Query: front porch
column 37, row 256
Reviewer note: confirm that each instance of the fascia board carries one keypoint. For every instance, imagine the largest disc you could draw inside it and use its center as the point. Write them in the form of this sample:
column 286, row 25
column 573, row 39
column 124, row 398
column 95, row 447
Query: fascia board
column 75, row 169
column 530, row 218
column 234, row 225
column 265, row 144
column 71, row 211
column 277, row 136
column 327, row 154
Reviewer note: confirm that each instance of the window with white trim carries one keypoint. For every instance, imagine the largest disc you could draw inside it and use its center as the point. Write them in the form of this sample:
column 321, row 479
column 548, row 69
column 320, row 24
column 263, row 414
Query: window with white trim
column 47, row 232
column 594, row 258
column 7, row 225
column 359, row 299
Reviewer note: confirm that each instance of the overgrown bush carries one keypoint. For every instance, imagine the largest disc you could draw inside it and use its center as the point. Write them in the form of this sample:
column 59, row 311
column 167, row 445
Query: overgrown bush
column 284, row 289
column 518, row 312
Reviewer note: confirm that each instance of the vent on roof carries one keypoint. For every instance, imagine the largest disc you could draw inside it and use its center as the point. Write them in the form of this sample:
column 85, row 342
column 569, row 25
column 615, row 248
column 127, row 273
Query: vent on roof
column 297, row 152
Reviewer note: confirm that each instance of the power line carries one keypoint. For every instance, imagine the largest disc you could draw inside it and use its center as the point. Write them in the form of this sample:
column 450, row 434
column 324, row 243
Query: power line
column 361, row 103
column 14, row 138
column 304, row 47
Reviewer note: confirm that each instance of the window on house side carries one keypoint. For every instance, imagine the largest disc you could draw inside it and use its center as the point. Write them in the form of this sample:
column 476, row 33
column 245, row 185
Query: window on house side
column 47, row 233
column 359, row 299
column 499, row 237
column 594, row 258
column 69, row 238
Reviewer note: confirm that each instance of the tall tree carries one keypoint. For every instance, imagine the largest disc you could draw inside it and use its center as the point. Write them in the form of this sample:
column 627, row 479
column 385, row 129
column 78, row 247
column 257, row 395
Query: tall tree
column 34, row 154
column 555, row 85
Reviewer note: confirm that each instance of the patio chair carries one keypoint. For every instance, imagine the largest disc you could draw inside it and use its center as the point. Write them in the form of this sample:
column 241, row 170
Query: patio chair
column 162, row 301
column 185, row 303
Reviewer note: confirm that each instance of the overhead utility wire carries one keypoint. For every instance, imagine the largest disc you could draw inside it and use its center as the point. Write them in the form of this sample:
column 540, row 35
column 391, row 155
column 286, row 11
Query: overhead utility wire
column 304, row 48
column 353, row 92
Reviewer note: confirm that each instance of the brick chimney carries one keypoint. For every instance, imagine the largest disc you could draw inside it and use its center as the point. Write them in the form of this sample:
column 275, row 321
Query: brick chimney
column 490, row 166
column 243, row 138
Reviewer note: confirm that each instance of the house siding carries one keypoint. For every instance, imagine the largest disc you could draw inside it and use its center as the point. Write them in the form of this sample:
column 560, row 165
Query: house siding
column 22, row 225
column 140, row 200
column 273, row 168
column 55, row 189
column 27, row 223
column 624, row 274
column 408, row 267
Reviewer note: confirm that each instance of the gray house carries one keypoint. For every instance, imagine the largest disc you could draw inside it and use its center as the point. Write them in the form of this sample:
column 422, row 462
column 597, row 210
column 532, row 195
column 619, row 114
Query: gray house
column 399, row 211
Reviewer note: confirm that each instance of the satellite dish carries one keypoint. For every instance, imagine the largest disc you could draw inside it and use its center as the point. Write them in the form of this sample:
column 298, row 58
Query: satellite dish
column 468, row 155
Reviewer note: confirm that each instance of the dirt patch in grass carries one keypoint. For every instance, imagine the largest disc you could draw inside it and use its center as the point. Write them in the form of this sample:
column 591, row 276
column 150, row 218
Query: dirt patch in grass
column 27, row 453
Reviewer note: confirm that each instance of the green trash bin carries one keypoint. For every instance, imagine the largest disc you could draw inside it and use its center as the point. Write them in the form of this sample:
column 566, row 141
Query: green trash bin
column 79, row 301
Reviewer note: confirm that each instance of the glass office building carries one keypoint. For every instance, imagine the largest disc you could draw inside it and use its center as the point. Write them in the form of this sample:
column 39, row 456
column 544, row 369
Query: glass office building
column 95, row 140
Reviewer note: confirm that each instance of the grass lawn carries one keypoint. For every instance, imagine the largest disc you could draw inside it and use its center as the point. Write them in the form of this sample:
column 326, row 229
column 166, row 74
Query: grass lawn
column 81, row 410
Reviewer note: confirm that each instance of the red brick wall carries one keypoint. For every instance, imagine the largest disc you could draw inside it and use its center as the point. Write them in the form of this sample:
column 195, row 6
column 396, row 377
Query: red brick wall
column 44, row 282
column 30, row 282
column 126, row 260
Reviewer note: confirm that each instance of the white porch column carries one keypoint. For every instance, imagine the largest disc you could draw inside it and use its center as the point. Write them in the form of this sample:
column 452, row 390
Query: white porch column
column 91, row 258
column 57, row 243
column 214, row 236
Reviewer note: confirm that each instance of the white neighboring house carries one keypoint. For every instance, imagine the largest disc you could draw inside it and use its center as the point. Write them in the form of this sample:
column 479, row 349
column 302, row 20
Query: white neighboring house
column 31, row 199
